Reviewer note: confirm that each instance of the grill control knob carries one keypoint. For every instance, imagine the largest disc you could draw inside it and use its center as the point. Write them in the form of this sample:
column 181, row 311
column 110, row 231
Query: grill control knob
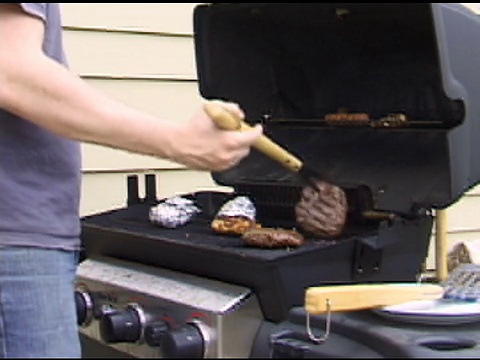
column 186, row 342
column 154, row 333
column 84, row 305
column 123, row 326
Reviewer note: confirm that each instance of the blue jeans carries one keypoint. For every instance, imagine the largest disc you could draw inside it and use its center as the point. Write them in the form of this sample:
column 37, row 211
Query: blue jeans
column 37, row 306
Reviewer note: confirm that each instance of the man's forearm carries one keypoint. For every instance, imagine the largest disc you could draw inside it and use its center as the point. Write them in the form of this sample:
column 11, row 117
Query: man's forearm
column 37, row 88
column 47, row 94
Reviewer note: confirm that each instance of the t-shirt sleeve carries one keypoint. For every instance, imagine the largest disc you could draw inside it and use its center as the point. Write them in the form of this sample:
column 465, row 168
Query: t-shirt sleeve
column 36, row 9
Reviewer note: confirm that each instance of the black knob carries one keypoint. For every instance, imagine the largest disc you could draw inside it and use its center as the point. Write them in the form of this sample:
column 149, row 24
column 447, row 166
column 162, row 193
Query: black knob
column 84, row 307
column 155, row 332
column 119, row 326
column 186, row 342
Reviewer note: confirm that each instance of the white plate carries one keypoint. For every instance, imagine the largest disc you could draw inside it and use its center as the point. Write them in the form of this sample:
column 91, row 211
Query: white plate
column 433, row 312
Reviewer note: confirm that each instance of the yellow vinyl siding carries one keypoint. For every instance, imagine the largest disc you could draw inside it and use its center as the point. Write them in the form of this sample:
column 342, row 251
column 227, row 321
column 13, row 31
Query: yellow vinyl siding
column 126, row 55
column 464, row 216
column 143, row 17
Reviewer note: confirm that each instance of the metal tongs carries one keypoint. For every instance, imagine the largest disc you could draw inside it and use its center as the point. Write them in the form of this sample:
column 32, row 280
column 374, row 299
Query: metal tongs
column 228, row 121
column 337, row 298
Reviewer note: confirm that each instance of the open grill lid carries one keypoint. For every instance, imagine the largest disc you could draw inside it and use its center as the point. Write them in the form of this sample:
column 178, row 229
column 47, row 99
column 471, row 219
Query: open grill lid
column 291, row 65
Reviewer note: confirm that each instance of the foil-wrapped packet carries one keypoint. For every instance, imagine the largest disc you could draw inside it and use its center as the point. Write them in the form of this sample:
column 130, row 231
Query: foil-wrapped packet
column 235, row 217
column 173, row 212
column 241, row 206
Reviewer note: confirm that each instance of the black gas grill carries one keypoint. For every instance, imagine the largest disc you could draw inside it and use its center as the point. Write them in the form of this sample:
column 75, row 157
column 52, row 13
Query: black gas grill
column 412, row 68
column 380, row 252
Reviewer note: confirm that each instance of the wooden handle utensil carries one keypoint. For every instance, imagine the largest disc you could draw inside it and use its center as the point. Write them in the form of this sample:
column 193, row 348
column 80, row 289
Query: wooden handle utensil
column 321, row 299
column 228, row 121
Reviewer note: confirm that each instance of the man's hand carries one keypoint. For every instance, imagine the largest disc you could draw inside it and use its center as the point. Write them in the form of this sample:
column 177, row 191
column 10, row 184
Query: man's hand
column 203, row 145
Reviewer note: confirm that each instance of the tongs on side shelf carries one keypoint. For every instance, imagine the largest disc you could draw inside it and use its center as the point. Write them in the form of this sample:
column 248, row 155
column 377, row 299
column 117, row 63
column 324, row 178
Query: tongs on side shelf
column 337, row 298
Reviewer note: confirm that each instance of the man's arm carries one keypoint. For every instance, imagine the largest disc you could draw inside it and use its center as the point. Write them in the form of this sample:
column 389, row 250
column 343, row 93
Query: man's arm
column 37, row 88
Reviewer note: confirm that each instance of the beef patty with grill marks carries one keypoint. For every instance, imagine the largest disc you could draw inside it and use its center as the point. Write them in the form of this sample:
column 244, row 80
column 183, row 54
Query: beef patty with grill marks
column 322, row 210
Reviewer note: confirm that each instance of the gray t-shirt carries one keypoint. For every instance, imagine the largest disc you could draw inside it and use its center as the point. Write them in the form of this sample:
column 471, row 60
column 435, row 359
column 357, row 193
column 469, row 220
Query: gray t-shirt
column 40, row 172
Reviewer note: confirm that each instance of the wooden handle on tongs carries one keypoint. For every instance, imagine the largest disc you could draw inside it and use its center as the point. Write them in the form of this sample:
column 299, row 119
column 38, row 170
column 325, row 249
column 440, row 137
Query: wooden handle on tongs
column 324, row 299
column 229, row 121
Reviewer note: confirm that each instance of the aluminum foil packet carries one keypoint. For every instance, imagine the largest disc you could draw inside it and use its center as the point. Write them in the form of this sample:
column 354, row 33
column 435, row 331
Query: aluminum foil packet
column 240, row 206
column 173, row 212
